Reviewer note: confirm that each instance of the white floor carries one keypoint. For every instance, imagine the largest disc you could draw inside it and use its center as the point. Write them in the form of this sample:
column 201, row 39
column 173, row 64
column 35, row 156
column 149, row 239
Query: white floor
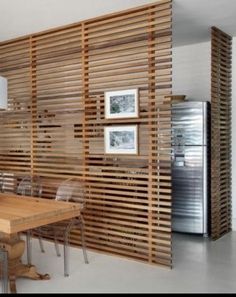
column 200, row 265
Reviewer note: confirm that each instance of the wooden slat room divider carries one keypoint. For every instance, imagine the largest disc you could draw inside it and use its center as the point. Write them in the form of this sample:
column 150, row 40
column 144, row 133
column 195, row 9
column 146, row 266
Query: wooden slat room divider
column 54, row 127
column 221, row 133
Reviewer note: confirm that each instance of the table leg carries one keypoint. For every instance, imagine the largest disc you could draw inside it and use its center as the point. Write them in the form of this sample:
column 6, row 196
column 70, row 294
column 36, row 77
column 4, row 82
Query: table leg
column 12, row 282
column 15, row 247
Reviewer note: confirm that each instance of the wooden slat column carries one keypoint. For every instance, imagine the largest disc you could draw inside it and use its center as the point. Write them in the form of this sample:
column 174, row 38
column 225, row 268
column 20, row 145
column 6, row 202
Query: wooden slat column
column 33, row 107
column 151, row 126
column 15, row 123
column 221, row 133
column 55, row 125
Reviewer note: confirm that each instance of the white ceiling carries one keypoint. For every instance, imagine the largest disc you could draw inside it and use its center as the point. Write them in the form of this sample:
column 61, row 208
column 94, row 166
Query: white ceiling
column 192, row 19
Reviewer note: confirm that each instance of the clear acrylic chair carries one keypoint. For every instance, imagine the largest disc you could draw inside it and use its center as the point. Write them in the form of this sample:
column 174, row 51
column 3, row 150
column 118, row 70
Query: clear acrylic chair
column 4, row 270
column 30, row 186
column 3, row 254
column 74, row 191
column 1, row 182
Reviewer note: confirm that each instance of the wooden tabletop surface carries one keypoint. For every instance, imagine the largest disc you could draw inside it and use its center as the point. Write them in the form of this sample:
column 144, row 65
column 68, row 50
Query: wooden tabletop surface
column 20, row 213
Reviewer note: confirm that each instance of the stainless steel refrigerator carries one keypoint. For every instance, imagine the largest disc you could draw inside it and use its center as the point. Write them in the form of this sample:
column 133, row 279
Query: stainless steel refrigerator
column 190, row 167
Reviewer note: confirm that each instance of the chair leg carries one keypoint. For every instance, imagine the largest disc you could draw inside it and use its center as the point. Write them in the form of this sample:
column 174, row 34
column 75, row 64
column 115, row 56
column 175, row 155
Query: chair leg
column 83, row 242
column 41, row 244
column 66, row 245
column 29, row 248
column 4, row 272
column 57, row 246
column 66, row 253
column 12, row 283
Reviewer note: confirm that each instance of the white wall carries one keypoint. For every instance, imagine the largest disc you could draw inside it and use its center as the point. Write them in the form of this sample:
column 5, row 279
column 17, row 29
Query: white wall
column 23, row 17
column 192, row 71
column 192, row 77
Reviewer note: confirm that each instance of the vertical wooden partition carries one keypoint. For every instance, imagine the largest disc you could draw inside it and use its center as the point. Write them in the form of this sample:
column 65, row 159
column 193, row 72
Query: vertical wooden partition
column 59, row 78
column 221, row 133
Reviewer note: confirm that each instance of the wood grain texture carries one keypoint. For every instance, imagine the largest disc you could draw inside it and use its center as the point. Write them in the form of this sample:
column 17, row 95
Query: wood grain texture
column 57, row 81
column 221, row 197
column 20, row 213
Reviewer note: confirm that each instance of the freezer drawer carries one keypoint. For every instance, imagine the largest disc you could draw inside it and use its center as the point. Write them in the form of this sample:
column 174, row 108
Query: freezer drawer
column 189, row 189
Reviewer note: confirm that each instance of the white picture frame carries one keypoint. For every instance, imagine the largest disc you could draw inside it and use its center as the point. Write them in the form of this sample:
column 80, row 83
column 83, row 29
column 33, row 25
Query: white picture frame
column 121, row 140
column 122, row 104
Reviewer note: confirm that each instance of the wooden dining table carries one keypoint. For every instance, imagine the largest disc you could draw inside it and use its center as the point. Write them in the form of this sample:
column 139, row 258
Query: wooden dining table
column 21, row 213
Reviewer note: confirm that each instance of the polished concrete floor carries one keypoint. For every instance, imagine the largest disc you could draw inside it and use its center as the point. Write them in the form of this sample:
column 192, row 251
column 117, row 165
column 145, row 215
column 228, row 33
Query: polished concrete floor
column 200, row 266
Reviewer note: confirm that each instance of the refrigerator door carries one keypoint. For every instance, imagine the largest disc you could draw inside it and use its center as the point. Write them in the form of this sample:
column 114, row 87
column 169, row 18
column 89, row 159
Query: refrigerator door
column 189, row 123
column 189, row 188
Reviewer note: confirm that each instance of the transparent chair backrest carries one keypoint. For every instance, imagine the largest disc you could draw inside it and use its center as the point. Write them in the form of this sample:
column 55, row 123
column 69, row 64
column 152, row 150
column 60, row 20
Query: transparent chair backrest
column 1, row 182
column 30, row 186
column 71, row 190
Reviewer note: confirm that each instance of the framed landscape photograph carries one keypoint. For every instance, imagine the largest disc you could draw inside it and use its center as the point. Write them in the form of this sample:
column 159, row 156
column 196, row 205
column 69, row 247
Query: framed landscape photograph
column 121, row 140
column 121, row 104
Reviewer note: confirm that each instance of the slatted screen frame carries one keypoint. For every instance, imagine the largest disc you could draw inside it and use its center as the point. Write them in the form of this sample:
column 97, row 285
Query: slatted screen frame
column 221, row 133
column 63, row 76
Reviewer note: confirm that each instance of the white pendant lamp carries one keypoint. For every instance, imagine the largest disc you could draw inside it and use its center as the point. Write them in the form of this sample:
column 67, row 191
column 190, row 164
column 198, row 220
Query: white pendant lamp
column 3, row 93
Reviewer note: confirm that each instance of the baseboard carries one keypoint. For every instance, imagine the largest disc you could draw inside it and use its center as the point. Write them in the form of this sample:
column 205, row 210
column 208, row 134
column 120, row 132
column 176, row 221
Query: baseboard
column 234, row 224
